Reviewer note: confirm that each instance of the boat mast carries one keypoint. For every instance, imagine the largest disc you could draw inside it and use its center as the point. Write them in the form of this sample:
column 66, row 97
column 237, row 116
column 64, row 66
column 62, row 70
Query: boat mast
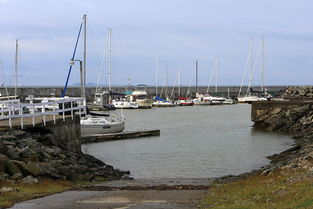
column 216, row 74
column 166, row 82
column 156, row 76
column 16, row 67
column 251, row 67
column 178, row 81
column 196, row 76
column 262, row 63
column 110, row 63
column 85, row 55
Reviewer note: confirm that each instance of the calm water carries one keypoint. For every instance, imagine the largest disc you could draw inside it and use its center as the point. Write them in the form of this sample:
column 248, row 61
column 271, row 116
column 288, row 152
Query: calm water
column 195, row 142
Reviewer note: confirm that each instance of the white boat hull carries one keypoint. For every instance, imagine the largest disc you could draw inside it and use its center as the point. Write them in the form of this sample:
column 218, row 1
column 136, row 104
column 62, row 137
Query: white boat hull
column 247, row 99
column 99, row 129
column 162, row 104
column 125, row 105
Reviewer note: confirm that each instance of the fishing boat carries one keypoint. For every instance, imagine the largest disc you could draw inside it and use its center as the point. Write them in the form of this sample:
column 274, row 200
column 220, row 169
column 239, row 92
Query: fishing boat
column 101, row 125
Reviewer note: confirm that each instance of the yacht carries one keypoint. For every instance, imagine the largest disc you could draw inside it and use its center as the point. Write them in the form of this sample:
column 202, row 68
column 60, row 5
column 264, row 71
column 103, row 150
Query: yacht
column 124, row 103
column 141, row 97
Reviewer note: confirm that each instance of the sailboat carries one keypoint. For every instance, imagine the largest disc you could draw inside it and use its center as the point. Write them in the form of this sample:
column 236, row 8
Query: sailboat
column 249, row 97
column 158, row 101
column 91, row 124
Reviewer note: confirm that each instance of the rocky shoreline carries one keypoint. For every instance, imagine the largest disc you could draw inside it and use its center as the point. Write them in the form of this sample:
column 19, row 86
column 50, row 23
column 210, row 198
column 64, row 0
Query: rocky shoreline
column 31, row 154
column 296, row 119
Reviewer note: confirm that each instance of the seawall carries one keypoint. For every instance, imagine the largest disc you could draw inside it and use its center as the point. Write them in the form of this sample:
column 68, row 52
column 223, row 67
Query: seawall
column 44, row 91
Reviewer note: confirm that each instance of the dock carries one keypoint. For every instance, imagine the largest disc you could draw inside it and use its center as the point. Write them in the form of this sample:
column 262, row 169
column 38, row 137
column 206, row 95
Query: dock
column 118, row 136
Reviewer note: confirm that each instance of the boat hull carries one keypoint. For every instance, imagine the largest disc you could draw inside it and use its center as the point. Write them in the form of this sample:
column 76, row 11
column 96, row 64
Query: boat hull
column 102, row 129
column 144, row 103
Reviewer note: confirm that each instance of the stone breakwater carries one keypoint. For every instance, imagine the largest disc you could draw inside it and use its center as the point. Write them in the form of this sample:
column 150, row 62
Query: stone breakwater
column 295, row 118
column 36, row 153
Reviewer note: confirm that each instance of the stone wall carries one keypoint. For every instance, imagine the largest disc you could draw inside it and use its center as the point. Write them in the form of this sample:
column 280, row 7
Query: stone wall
column 90, row 91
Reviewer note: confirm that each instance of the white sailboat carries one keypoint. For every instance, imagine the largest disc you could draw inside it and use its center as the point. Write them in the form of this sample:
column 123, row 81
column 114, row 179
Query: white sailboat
column 91, row 124
column 158, row 101
column 249, row 97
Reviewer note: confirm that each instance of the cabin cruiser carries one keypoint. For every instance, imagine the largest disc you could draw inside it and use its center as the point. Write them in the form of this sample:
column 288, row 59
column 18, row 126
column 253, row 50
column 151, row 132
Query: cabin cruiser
column 141, row 97
column 124, row 103
column 91, row 124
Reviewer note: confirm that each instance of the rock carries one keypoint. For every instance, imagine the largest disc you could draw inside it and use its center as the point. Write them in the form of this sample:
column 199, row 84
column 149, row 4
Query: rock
column 8, row 189
column 34, row 169
column 29, row 180
column 16, row 176
column 26, row 152
column 19, row 133
column 3, row 148
column 8, row 137
column 49, row 139
column 12, row 153
column 3, row 176
column 3, row 159
column 11, row 168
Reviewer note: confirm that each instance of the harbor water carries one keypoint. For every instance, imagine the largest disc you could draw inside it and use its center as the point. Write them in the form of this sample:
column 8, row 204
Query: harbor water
column 195, row 142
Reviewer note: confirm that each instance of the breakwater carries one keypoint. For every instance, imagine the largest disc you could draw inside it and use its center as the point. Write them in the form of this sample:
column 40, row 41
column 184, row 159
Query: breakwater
column 44, row 91
column 294, row 117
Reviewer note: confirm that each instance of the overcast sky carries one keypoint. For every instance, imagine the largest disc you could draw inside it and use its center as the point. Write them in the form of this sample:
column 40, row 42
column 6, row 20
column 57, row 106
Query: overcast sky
column 176, row 31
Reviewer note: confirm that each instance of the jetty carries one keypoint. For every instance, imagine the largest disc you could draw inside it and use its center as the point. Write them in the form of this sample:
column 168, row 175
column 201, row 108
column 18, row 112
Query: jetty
column 118, row 136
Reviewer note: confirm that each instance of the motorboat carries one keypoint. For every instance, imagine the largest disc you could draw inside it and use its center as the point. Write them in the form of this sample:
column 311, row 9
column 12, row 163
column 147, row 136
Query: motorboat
column 184, row 101
column 141, row 98
column 101, row 125
column 124, row 103
column 202, row 99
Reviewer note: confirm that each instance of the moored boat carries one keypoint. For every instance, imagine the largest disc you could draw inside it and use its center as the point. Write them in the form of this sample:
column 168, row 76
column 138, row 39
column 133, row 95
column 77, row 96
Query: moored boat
column 184, row 101
column 101, row 125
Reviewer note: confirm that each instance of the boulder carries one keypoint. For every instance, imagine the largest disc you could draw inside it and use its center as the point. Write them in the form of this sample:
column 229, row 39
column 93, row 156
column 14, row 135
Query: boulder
column 3, row 148
column 29, row 180
column 48, row 139
column 16, row 176
column 12, row 153
column 26, row 152
column 11, row 168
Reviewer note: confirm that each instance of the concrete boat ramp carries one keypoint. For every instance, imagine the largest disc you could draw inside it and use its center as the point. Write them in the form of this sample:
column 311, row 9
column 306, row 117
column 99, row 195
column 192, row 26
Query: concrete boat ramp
column 124, row 194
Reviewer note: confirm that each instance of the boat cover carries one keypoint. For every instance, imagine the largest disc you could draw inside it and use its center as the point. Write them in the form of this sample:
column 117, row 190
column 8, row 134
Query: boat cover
column 160, row 99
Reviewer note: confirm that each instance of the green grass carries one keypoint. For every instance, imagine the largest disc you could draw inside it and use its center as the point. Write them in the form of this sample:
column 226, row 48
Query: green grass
column 262, row 192
column 30, row 191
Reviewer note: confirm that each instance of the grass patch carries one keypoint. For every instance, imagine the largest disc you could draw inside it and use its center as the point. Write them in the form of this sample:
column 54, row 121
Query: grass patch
column 30, row 191
column 262, row 192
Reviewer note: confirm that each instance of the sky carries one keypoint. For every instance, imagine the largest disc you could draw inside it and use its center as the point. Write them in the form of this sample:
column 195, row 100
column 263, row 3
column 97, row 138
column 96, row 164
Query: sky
column 177, row 32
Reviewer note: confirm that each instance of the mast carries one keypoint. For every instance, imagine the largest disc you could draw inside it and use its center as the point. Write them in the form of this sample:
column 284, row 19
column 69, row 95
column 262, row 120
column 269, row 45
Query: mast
column 251, row 67
column 156, row 76
column 110, row 63
column 196, row 76
column 166, row 82
column 16, row 67
column 262, row 63
column 85, row 55
column 216, row 74
column 179, row 81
